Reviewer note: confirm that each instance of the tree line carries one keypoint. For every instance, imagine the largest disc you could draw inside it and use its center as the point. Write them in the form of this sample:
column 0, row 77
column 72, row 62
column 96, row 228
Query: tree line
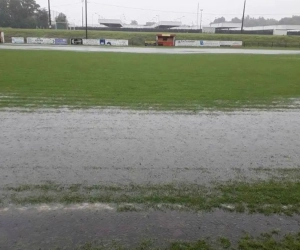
column 261, row 21
column 25, row 14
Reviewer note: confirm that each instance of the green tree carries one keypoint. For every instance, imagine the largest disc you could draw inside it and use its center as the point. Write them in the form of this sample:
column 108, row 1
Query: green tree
column 5, row 19
column 61, row 21
column 61, row 18
column 294, row 20
column 219, row 20
column 236, row 20
column 42, row 18
column 22, row 14
column 134, row 22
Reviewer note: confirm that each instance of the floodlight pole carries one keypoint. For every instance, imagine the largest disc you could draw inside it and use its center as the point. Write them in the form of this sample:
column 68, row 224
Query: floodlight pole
column 82, row 14
column 86, row 20
column 198, row 16
column 242, row 29
column 201, row 19
column 49, row 10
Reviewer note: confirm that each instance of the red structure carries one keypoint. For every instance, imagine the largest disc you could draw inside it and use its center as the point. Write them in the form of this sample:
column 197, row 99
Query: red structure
column 165, row 40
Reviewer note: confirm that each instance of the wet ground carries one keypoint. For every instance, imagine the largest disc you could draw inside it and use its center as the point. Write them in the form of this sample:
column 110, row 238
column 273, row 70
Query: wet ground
column 143, row 147
column 113, row 146
column 36, row 229
column 152, row 50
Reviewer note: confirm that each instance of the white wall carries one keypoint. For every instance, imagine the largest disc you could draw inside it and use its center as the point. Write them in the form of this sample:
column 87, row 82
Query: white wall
column 210, row 30
column 280, row 32
column 2, row 40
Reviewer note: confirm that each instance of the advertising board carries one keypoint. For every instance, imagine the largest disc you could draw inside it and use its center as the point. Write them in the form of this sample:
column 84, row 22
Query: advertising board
column 102, row 41
column 18, row 40
column 210, row 44
column 231, row 43
column 187, row 43
column 76, row 41
column 39, row 40
column 195, row 43
column 91, row 42
column 116, row 42
column 61, row 41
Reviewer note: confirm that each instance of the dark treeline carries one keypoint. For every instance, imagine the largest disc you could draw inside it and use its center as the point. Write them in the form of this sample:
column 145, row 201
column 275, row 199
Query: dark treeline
column 261, row 21
column 25, row 14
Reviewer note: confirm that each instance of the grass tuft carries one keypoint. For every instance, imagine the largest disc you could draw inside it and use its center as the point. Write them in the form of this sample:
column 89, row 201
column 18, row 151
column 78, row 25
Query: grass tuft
column 268, row 197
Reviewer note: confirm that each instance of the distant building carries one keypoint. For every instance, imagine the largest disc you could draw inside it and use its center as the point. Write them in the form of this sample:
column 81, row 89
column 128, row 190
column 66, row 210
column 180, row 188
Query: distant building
column 274, row 27
column 116, row 23
column 150, row 23
column 238, row 26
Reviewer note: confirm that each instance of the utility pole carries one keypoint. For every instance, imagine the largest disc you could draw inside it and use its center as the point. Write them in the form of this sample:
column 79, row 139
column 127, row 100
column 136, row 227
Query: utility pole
column 86, row 20
column 49, row 10
column 242, row 29
column 198, row 16
column 82, row 14
column 201, row 19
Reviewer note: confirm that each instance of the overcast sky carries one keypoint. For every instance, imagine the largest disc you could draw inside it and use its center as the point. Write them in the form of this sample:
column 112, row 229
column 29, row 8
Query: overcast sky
column 170, row 10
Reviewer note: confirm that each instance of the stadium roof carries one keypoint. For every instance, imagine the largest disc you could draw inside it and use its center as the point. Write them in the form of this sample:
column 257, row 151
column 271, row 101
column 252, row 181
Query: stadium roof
column 111, row 22
column 168, row 24
column 116, row 23
column 226, row 25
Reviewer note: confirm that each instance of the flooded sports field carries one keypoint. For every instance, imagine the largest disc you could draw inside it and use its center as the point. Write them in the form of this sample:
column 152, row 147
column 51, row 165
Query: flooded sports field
column 89, row 159
column 140, row 147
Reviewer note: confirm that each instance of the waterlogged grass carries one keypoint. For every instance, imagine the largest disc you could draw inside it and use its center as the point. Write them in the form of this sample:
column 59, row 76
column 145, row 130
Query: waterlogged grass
column 264, row 242
column 41, row 79
column 263, row 197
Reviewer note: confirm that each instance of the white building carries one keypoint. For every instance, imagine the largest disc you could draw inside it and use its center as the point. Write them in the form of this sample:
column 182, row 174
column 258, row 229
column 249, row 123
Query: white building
column 274, row 27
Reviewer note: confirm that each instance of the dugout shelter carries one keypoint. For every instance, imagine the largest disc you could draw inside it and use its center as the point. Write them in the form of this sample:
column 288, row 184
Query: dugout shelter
column 165, row 40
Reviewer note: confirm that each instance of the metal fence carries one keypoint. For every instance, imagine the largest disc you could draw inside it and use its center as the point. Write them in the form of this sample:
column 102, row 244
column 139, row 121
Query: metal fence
column 142, row 30
column 192, row 31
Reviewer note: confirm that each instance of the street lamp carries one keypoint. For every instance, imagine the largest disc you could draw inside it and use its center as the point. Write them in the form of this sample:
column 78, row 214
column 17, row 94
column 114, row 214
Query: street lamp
column 86, row 20
column 82, row 13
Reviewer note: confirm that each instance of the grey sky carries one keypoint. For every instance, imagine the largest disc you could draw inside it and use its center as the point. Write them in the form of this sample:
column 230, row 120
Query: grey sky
column 168, row 10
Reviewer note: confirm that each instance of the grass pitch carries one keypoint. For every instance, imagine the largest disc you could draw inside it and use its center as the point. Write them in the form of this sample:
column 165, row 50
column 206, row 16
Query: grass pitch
column 142, row 81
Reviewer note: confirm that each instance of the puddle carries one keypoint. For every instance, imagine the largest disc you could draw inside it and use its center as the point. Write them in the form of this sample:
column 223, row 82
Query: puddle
column 141, row 50
column 60, row 228
column 118, row 146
